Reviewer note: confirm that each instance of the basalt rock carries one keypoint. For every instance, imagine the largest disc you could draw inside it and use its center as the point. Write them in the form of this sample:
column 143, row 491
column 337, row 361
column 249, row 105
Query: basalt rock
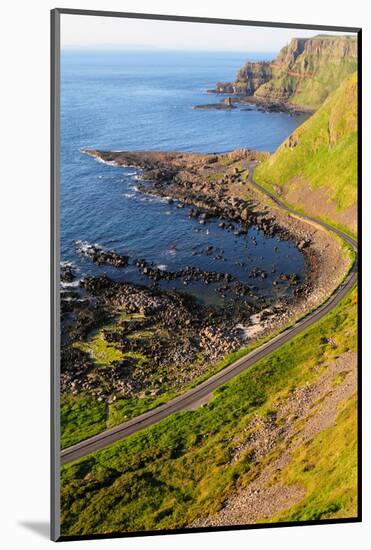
column 67, row 272
column 187, row 274
column 258, row 272
column 100, row 256
column 217, row 106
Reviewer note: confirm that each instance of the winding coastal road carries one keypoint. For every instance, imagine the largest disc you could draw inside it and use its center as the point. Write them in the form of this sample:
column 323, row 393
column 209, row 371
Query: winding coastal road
column 201, row 393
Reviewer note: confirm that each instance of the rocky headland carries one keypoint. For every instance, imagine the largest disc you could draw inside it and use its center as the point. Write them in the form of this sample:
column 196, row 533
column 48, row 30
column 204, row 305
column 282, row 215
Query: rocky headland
column 300, row 78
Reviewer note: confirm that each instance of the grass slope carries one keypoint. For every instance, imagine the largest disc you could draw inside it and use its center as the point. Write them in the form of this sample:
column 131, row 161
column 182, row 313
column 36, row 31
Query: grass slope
column 327, row 468
column 320, row 154
column 81, row 417
column 312, row 92
column 181, row 469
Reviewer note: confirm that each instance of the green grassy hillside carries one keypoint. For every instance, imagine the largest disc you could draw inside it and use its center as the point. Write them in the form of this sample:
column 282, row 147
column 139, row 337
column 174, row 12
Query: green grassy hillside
column 185, row 467
column 315, row 169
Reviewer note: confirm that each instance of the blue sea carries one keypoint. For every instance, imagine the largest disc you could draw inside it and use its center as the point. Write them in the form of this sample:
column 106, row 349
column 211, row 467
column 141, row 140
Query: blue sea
column 141, row 100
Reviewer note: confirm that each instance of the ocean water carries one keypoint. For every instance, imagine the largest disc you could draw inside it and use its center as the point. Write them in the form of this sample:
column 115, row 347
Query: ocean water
column 137, row 100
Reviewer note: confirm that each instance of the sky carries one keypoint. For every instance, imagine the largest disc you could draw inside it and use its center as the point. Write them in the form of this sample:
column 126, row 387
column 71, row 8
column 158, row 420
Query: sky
column 86, row 31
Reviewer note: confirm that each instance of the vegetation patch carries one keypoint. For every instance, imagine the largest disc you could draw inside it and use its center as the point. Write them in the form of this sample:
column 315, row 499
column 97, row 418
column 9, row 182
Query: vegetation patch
column 101, row 351
column 81, row 417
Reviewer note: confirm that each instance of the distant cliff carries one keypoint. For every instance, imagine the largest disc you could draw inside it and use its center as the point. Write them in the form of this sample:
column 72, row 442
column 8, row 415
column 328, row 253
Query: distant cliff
column 303, row 74
column 248, row 79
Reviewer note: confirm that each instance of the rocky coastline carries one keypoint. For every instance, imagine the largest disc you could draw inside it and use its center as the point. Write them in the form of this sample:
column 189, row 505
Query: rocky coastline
column 250, row 102
column 161, row 339
column 217, row 186
column 157, row 341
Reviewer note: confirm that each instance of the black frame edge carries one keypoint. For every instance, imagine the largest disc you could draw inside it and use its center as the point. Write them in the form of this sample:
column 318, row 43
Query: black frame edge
column 195, row 19
column 359, row 237
column 193, row 530
column 54, row 275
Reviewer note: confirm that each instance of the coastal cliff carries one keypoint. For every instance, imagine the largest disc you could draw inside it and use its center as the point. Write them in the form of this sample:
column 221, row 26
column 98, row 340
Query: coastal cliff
column 249, row 78
column 303, row 74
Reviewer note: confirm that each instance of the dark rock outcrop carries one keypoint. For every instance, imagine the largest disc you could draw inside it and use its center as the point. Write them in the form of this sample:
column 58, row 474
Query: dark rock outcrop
column 100, row 256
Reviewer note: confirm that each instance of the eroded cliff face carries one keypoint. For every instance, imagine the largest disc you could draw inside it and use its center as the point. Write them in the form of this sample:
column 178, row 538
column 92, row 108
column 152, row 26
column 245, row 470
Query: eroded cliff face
column 288, row 54
column 304, row 72
column 249, row 78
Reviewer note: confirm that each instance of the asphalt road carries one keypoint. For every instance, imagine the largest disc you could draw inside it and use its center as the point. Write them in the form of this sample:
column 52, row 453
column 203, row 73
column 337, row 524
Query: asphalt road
column 202, row 392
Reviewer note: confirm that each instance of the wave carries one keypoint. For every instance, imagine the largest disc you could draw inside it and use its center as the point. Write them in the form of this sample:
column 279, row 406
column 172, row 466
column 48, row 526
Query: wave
column 85, row 247
column 103, row 161
column 69, row 299
column 109, row 162
column 151, row 197
column 72, row 284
